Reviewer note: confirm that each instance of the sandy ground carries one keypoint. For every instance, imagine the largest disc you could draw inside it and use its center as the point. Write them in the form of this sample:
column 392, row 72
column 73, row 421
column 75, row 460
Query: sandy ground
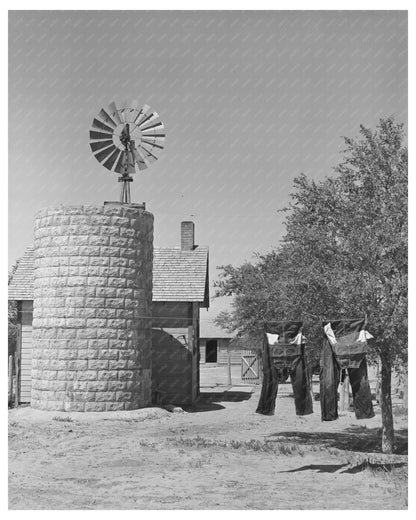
column 218, row 455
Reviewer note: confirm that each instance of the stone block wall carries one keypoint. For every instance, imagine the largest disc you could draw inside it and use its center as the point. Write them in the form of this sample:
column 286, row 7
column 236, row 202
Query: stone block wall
column 92, row 308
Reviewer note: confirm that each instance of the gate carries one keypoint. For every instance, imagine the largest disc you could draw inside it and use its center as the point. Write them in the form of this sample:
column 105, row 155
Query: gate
column 250, row 368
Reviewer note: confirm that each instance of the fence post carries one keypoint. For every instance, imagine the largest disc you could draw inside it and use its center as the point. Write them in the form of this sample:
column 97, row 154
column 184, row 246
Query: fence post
column 229, row 365
column 10, row 381
column 16, row 380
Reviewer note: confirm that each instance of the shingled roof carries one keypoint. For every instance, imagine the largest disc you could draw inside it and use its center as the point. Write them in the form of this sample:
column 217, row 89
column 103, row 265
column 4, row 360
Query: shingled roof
column 178, row 275
column 21, row 284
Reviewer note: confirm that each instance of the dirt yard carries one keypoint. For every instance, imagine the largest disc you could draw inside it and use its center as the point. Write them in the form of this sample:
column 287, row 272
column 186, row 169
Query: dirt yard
column 218, row 455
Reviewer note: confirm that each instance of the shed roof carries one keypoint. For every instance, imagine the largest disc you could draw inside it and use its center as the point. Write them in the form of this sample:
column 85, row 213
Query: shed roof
column 178, row 275
column 208, row 329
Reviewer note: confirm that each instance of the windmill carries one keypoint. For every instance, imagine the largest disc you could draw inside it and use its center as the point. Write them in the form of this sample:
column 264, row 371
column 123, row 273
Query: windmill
column 123, row 139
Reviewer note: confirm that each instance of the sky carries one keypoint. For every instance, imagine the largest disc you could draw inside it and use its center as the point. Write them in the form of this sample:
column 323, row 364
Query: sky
column 250, row 99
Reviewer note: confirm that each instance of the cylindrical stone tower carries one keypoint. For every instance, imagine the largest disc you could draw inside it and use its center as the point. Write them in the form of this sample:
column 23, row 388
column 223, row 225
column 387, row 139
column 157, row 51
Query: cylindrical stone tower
column 92, row 308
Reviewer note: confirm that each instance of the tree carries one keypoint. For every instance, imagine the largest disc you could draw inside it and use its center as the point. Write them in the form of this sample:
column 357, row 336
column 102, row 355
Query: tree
column 344, row 255
column 12, row 317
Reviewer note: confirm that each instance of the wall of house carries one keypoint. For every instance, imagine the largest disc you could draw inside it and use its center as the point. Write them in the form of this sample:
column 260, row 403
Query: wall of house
column 181, row 321
column 25, row 347
column 171, row 369
column 222, row 352
column 171, row 315
column 194, row 337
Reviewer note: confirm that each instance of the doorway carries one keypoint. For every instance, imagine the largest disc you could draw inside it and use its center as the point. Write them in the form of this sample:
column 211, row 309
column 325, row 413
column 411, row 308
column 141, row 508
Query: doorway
column 211, row 351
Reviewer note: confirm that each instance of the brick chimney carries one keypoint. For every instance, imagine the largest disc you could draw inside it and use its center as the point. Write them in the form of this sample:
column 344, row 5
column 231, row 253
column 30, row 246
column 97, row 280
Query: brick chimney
column 187, row 235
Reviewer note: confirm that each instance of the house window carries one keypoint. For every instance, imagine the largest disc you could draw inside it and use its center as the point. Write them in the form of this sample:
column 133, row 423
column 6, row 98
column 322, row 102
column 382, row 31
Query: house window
column 211, row 352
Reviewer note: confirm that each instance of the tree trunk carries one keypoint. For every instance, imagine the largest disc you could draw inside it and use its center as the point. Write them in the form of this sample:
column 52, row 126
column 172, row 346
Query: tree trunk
column 378, row 383
column 405, row 393
column 387, row 432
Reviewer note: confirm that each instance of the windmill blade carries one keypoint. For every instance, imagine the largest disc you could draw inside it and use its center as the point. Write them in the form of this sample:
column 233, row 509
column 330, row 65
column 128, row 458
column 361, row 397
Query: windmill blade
column 142, row 113
column 121, row 163
column 104, row 154
column 119, row 167
column 113, row 111
column 130, row 167
column 158, row 126
column 133, row 115
column 155, row 136
column 129, row 112
column 104, row 116
column 148, row 155
column 134, row 111
column 98, row 145
column 99, row 135
column 122, row 111
column 138, row 158
column 109, row 163
column 147, row 119
column 101, row 126
column 152, row 144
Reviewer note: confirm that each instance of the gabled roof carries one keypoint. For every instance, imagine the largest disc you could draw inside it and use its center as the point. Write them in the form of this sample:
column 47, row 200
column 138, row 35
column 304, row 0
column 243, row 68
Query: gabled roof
column 21, row 284
column 178, row 275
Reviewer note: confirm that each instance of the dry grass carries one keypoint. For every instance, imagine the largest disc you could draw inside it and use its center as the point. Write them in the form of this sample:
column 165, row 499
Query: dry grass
column 262, row 446
column 266, row 446
column 58, row 418
column 146, row 444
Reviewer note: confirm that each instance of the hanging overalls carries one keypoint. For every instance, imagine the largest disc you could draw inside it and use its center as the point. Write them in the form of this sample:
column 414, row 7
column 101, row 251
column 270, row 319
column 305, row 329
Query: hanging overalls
column 344, row 347
column 283, row 349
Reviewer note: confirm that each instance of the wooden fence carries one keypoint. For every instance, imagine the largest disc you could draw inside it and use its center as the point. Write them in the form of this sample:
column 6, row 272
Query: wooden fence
column 251, row 368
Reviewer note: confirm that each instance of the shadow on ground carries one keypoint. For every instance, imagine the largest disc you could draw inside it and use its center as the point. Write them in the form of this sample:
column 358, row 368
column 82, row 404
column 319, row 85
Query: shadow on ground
column 355, row 438
column 208, row 401
column 319, row 468
column 332, row 468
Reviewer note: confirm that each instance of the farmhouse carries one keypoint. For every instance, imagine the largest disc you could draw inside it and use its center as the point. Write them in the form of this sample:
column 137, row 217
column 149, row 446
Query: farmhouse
column 180, row 290
column 214, row 343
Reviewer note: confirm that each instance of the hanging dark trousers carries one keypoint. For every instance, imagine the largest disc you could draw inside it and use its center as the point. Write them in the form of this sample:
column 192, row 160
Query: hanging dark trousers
column 269, row 386
column 284, row 354
column 363, row 404
column 328, row 383
column 301, row 384
column 346, row 351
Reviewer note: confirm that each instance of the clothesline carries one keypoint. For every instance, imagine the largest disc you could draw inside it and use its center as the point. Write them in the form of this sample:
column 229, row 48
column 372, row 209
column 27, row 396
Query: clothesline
column 321, row 319
column 213, row 319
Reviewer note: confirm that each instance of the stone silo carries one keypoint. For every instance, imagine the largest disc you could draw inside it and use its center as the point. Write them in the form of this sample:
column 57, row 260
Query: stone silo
column 92, row 308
